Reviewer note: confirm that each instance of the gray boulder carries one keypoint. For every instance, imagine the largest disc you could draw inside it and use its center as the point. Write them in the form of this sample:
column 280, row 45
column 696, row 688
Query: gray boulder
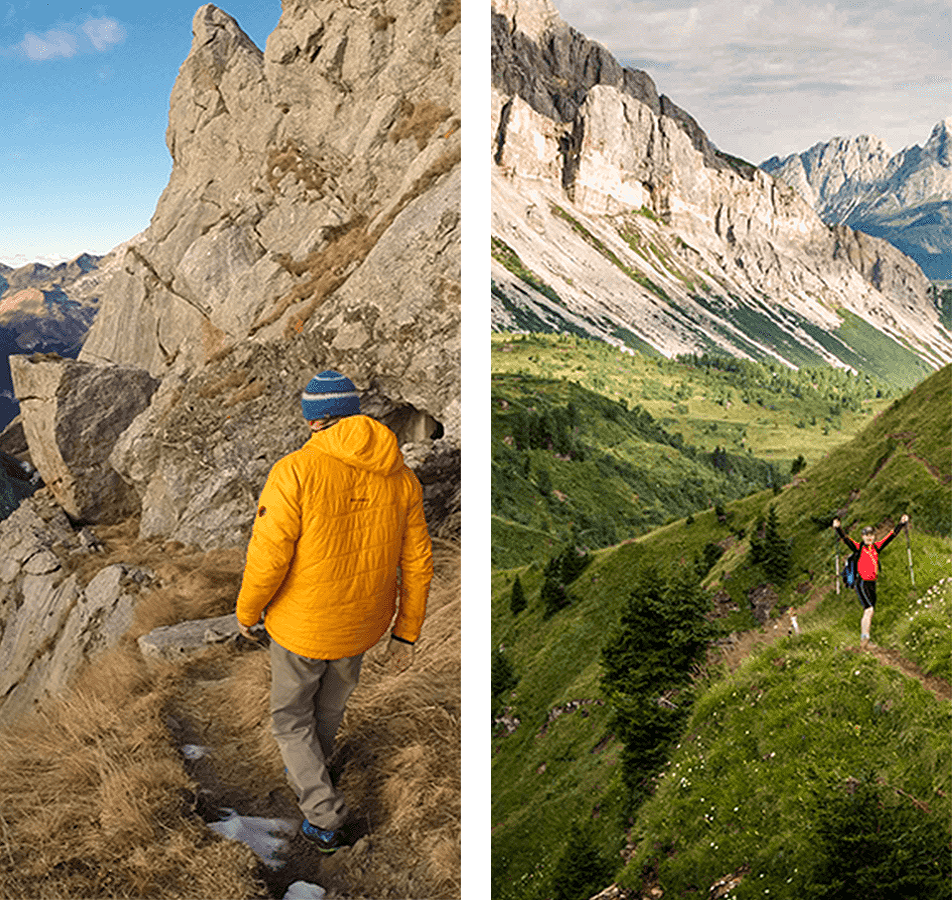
column 175, row 642
column 73, row 413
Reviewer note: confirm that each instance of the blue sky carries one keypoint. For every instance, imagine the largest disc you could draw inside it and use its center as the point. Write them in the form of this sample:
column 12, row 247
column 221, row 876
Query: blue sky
column 774, row 77
column 84, row 95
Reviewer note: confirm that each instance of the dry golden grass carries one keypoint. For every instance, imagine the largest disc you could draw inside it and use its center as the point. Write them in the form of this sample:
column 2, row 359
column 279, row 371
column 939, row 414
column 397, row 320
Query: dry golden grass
column 291, row 157
column 418, row 120
column 347, row 246
column 214, row 340
column 228, row 382
column 97, row 801
column 251, row 390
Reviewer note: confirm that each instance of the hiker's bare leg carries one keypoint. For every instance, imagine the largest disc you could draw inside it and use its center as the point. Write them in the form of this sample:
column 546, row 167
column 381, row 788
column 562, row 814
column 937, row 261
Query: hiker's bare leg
column 867, row 621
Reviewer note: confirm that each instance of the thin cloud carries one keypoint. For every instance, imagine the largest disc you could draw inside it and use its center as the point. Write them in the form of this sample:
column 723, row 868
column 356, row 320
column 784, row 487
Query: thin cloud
column 53, row 44
column 66, row 41
column 762, row 73
column 104, row 33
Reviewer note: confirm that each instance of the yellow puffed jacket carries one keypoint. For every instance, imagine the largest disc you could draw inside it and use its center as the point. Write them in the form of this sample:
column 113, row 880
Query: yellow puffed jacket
column 334, row 521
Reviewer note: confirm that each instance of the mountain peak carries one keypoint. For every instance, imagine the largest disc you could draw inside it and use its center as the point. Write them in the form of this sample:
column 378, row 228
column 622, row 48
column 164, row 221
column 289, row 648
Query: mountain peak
column 905, row 198
column 533, row 18
column 939, row 142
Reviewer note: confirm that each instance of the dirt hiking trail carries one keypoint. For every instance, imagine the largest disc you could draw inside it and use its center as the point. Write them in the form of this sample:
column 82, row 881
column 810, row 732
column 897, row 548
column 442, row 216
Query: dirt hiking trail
column 746, row 643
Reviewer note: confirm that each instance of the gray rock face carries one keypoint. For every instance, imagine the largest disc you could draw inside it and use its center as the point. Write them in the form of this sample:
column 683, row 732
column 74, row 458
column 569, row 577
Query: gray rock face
column 199, row 455
column 72, row 414
column 640, row 232
column 49, row 624
column 314, row 191
column 551, row 66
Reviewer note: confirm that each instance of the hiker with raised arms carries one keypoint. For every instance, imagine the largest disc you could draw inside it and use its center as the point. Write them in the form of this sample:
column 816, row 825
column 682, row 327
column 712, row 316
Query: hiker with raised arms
column 339, row 538
column 867, row 570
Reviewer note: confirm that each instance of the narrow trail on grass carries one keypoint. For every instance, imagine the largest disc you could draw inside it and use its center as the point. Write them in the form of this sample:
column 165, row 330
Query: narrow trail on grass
column 889, row 657
column 746, row 643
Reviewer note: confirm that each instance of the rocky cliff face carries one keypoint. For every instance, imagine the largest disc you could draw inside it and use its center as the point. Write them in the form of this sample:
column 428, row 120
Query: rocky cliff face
column 312, row 220
column 314, row 192
column 905, row 198
column 614, row 216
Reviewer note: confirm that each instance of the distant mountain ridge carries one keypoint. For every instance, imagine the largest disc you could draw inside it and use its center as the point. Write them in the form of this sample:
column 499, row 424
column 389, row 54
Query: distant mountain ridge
column 904, row 198
column 49, row 309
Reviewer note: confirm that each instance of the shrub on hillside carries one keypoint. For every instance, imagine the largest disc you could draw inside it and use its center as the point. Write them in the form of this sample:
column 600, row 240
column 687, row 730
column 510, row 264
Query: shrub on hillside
column 581, row 869
column 554, row 596
column 517, row 599
column 704, row 562
column 560, row 571
column 772, row 552
column 876, row 844
column 502, row 678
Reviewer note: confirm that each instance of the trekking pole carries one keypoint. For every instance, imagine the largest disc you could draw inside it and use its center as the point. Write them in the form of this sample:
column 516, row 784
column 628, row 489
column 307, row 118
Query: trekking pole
column 912, row 578
column 836, row 557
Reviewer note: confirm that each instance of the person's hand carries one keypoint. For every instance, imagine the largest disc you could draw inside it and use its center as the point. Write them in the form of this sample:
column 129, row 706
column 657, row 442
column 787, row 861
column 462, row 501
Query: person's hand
column 836, row 523
column 246, row 632
column 399, row 656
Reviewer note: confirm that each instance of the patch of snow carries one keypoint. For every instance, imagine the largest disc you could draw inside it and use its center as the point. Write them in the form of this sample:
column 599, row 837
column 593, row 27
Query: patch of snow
column 265, row 836
column 195, row 751
column 304, row 890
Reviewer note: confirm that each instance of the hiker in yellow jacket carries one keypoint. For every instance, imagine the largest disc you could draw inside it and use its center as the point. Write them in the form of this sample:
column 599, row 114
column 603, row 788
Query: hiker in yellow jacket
column 336, row 521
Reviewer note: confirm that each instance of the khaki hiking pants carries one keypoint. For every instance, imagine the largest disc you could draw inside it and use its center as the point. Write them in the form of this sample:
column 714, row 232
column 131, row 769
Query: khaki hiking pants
column 308, row 697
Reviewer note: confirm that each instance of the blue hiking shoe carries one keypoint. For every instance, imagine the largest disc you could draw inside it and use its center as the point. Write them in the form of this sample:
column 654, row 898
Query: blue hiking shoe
column 325, row 841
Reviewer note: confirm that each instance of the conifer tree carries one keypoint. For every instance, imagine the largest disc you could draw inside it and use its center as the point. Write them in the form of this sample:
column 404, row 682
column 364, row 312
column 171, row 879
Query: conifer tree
column 776, row 551
column 663, row 630
column 581, row 869
column 502, row 678
column 873, row 845
column 517, row 599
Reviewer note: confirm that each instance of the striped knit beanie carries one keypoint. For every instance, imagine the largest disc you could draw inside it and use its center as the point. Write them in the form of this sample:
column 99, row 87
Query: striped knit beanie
column 329, row 394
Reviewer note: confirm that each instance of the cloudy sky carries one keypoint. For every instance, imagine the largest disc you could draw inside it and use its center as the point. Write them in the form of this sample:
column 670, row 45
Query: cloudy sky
column 773, row 77
column 84, row 93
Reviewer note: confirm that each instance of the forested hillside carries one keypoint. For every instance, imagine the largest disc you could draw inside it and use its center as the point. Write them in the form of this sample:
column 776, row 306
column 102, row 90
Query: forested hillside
column 592, row 445
column 664, row 726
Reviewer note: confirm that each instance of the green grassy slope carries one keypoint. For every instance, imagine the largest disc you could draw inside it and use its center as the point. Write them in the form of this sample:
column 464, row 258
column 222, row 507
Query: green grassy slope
column 766, row 408
column 772, row 749
column 570, row 466
column 827, row 713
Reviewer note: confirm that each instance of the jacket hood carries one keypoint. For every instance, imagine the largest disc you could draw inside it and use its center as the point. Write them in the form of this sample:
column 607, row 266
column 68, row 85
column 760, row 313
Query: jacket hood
column 361, row 442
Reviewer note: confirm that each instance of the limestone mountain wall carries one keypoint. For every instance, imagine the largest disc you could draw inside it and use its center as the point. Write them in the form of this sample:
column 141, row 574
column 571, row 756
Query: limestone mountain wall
column 311, row 220
column 315, row 191
column 642, row 232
